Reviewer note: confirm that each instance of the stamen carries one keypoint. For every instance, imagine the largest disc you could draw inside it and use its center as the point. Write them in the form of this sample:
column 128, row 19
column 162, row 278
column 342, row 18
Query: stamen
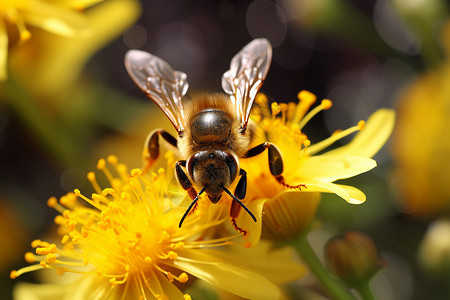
column 16, row 273
column 92, row 179
column 333, row 138
column 325, row 104
column 275, row 109
column 306, row 143
column 93, row 203
column 53, row 203
column 14, row 17
column 306, row 100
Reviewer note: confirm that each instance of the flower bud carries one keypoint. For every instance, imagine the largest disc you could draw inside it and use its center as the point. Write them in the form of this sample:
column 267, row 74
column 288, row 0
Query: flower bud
column 434, row 251
column 288, row 214
column 353, row 258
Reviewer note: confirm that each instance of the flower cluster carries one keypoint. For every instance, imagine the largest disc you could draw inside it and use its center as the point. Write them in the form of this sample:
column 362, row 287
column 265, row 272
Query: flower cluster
column 124, row 240
column 126, row 243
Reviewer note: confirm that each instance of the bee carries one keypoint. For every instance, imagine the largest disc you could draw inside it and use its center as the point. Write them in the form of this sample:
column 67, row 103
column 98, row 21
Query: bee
column 214, row 132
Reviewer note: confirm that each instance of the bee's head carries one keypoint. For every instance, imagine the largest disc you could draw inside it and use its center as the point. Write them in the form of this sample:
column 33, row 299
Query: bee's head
column 213, row 170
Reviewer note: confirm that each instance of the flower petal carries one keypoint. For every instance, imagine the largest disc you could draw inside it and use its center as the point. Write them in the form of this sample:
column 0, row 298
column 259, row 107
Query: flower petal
column 246, row 222
column 237, row 280
column 88, row 286
column 170, row 290
column 33, row 291
column 350, row 194
column 330, row 168
column 3, row 52
column 356, row 195
column 277, row 265
column 61, row 59
column 374, row 135
column 61, row 21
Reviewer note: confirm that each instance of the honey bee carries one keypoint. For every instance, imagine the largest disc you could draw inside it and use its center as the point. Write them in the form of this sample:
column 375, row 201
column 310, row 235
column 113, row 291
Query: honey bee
column 214, row 132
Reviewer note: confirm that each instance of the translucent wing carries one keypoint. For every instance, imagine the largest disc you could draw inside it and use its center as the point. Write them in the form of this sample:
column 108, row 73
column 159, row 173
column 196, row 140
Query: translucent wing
column 248, row 69
column 160, row 82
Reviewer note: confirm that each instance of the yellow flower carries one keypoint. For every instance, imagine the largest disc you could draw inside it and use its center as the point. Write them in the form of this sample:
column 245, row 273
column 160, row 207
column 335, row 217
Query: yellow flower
column 421, row 145
column 49, row 64
column 125, row 243
column 59, row 18
column 282, row 125
column 434, row 251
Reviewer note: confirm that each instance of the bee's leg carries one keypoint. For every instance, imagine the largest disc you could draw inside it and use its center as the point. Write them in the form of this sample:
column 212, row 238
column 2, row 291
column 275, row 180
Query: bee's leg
column 186, row 185
column 239, row 193
column 275, row 162
column 151, row 147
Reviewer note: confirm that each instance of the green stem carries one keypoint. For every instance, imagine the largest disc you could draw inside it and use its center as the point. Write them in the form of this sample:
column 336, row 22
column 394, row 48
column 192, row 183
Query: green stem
column 366, row 292
column 51, row 136
column 330, row 283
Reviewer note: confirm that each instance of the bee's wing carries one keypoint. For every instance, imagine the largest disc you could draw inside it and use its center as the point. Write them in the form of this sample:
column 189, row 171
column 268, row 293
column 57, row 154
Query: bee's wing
column 248, row 69
column 160, row 82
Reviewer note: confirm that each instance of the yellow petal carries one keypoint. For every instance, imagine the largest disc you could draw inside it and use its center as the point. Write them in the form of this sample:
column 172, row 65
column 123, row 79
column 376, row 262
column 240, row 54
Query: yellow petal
column 356, row 195
column 236, row 280
column 278, row 265
column 3, row 52
column 83, row 288
column 29, row 291
column 59, row 60
column 57, row 20
column 374, row 135
column 330, row 168
column 170, row 290
column 289, row 214
column 350, row 194
column 246, row 222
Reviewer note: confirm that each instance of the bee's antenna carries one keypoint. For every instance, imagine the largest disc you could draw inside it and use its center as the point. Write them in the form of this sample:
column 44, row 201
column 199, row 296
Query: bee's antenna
column 190, row 207
column 240, row 203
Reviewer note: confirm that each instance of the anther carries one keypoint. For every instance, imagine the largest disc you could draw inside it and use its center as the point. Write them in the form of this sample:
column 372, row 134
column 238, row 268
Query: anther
column 261, row 99
column 136, row 172
column 112, row 159
column 30, row 257
column 108, row 191
column 275, row 108
column 13, row 274
column 361, row 124
column 183, row 277
column 172, row 255
column 306, row 96
column 101, row 164
column 326, row 104
column 51, row 202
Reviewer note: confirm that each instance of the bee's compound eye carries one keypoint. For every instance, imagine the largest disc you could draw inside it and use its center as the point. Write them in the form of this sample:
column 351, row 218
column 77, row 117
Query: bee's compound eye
column 233, row 165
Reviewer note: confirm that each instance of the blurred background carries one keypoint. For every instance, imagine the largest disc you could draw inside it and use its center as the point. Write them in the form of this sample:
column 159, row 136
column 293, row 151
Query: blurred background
column 66, row 101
